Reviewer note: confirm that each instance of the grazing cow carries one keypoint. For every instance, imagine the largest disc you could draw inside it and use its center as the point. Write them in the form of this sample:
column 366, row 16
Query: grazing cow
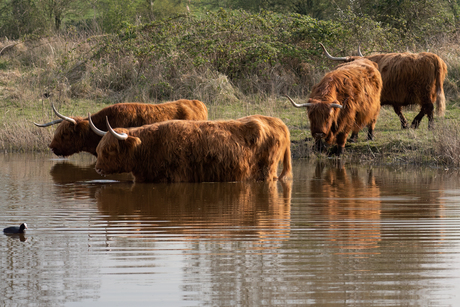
column 249, row 148
column 74, row 134
column 346, row 99
column 409, row 79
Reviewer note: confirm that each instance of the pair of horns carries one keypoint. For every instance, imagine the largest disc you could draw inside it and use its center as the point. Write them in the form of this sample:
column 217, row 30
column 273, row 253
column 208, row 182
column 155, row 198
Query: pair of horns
column 309, row 104
column 119, row 136
column 57, row 121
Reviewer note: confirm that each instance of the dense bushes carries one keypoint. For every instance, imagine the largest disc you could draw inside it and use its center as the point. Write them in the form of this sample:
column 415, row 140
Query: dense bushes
column 218, row 56
column 264, row 53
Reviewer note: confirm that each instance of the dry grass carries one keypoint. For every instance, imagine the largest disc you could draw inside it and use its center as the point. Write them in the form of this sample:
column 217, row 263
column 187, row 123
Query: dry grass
column 22, row 136
column 446, row 143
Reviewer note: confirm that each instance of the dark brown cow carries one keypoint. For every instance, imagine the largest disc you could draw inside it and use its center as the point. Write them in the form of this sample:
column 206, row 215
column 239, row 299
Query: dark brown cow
column 74, row 134
column 249, row 148
column 346, row 99
column 409, row 79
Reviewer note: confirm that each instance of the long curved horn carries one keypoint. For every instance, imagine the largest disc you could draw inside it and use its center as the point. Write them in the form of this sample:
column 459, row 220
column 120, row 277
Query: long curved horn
column 119, row 136
column 62, row 116
column 331, row 57
column 308, row 104
column 94, row 128
column 359, row 51
column 54, row 122
column 334, row 105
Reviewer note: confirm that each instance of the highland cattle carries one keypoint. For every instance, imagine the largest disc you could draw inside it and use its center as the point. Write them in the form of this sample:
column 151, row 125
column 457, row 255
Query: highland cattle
column 346, row 99
column 74, row 135
column 409, row 79
column 249, row 148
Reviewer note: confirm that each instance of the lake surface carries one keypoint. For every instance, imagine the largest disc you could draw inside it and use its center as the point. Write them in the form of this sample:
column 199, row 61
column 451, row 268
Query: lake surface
column 333, row 236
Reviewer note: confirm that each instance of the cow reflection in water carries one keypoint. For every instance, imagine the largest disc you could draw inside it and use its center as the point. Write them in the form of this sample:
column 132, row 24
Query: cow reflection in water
column 79, row 182
column 350, row 205
column 67, row 172
column 203, row 210
column 254, row 210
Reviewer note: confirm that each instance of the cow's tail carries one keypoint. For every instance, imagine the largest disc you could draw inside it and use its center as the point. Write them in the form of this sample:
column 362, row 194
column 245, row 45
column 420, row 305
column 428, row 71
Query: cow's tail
column 287, row 166
column 440, row 97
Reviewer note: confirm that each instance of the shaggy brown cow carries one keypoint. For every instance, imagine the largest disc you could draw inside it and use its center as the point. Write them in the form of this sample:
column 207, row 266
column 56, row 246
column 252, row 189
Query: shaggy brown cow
column 74, row 135
column 409, row 79
column 345, row 100
column 249, row 148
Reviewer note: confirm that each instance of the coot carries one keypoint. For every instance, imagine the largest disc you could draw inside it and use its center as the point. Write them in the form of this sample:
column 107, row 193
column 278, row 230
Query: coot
column 15, row 229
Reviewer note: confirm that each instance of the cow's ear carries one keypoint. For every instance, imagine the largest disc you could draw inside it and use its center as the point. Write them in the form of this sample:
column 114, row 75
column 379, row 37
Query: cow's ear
column 131, row 142
column 82, row 125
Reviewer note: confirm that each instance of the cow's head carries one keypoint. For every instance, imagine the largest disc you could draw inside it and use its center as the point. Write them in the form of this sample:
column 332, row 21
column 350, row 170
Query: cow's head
column 115, row 151
column 322, row 116
column 70, row 136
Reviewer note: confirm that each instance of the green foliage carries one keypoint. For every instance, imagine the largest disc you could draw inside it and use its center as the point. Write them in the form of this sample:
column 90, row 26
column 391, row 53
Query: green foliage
column 3, row 65
column 370, row 34
column 265, row 52
column 250, row 49
column 150, row 10
column 20, row 17
column 114, row 14
column 413, row 20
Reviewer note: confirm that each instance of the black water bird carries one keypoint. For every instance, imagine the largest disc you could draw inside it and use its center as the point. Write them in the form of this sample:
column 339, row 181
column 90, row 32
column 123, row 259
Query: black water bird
column 15, row 229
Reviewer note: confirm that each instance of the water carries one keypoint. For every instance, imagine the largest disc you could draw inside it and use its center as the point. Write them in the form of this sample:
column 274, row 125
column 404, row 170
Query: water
column 334, row 236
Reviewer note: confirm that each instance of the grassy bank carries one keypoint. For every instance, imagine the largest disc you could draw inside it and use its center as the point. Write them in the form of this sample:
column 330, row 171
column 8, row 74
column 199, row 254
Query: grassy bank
column 392, row 145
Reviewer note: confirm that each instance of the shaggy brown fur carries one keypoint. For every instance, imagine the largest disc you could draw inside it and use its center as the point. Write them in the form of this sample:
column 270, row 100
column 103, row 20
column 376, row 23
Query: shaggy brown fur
column 411, row 79
column 249, row 148
column 69, row 138
column 356, row 86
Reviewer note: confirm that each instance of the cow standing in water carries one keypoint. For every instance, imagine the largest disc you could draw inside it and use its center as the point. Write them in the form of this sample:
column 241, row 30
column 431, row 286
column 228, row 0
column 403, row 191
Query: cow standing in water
column 74, row 134
column 346, row 99
column 409, row 79
column 249, row 148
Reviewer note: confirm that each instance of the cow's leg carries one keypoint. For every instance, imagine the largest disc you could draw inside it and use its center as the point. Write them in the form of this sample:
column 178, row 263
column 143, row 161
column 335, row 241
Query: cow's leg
column 370, row 130
column 426, row 109
column 354, row 137
column 430, row 119
column 341, row 140
column 370, row 134
column 401, row 116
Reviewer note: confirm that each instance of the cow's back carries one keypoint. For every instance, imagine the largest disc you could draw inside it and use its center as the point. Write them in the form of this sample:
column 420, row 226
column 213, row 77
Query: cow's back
column 409, row 77
column 368, row 85
column 195, row 151
column 359, row 86
column 129, row 114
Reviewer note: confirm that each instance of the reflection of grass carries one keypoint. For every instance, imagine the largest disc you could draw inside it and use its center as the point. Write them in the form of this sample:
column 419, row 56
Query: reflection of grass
column 392, row 145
